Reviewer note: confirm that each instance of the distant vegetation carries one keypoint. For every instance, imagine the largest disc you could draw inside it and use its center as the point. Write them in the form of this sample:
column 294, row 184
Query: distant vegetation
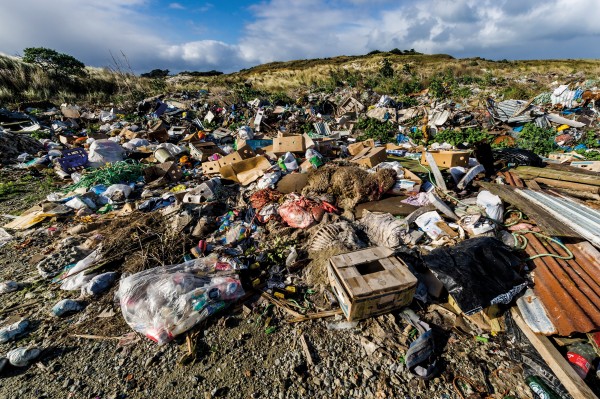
column 50, row 75
column 156, row 73
column 201, row 74
column 54, row 62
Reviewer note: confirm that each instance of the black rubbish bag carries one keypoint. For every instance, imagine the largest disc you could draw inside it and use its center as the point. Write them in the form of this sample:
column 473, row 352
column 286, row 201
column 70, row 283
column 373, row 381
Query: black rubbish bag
column 477, row 273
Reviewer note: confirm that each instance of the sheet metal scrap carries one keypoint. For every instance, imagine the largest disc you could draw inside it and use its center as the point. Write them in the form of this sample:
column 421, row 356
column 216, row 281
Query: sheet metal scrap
column 568, row 289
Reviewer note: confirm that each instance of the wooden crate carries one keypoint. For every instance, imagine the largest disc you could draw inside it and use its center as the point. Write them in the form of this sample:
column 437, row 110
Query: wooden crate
column 370, row 282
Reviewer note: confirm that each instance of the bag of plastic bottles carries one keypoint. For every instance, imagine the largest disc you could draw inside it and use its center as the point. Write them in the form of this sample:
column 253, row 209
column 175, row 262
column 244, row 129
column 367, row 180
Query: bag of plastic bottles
column 166, row 301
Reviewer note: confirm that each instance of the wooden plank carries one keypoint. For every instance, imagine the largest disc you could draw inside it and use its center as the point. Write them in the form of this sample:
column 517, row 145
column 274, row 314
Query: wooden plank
column 517, row 180
column 530, row 172
column 544, row 219
column 306, row 350
column 568, row 185
column 532, row 184
column 557, row 363
column 312, row 316
column 439, row 179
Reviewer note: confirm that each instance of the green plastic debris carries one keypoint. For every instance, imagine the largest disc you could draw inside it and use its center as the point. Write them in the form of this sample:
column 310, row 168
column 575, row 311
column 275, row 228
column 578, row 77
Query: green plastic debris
column 114, row 173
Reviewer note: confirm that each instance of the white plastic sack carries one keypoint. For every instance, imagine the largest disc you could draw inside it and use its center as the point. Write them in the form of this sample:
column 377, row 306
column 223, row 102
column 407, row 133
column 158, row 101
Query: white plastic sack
column 289, row 160
column 245, row 133
column 492, row 204
column 383, row 229
column 105, row 151
column 117, row 192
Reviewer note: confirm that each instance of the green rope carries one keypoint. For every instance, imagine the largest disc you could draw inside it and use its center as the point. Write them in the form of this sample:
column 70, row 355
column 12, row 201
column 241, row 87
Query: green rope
column 520, row 235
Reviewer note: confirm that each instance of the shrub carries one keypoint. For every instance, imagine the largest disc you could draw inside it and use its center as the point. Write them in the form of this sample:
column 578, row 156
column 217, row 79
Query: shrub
column 51, row 60
column 536, row 139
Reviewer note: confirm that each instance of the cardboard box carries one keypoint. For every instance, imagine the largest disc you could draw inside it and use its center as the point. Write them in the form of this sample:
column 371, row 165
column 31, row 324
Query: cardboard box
column 246, row 171
column 593, row 166
column 370, row 156
column 202, row 150
column 448, row 159
column 213, row 167
column 562, row 157
column 289, row 144
column 128, row 134
column 370, row 282
column 356, row 148
column 162, row 174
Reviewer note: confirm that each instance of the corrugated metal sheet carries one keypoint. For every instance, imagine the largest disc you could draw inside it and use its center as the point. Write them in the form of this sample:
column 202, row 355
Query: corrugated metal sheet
column 505, row 111
column 568, row 289
column 534, row 313
column 582, row 219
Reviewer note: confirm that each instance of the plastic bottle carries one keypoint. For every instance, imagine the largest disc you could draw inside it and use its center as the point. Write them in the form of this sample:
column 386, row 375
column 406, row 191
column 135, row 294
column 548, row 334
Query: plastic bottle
column 581, row 355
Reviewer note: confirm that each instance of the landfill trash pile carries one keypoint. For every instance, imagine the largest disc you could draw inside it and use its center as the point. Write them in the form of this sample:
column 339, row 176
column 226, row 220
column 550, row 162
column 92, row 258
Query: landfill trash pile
column 354, row 248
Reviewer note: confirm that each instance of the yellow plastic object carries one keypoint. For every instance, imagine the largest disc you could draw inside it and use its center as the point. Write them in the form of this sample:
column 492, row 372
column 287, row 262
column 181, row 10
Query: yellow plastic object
column 562, row 127
column 178, row 188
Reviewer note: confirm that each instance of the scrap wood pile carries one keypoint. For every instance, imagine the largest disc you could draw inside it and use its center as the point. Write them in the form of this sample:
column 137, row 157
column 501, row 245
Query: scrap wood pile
column 186, row 210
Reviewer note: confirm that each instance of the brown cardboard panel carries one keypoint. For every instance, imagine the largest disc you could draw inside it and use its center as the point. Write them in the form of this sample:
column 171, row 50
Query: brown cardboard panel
column 392, row 205
column 370, row 156
column 448, row 159
column 292, row 183
column 246, row 171
column 289, row 144
column 356, row 148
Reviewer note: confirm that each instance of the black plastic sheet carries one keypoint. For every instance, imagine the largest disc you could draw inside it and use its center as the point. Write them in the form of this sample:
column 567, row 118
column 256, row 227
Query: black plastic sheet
column 477, row 273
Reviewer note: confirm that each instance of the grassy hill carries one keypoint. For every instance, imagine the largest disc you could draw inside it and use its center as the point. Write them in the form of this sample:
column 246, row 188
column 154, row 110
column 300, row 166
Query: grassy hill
column 458, row 78
column 443, row 75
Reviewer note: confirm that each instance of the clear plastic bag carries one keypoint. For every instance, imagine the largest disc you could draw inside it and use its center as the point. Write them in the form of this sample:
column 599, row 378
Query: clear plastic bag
column 166, row 301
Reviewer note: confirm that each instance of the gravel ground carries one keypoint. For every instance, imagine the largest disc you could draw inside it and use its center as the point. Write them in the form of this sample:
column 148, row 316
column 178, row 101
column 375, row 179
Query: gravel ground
column 232, row 355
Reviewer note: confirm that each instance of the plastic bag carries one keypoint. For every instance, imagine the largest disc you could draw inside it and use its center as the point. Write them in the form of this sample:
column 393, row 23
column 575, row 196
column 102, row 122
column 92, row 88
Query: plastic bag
column 300, row 212
column 117, row 192
column 166, row 301
column 492, row 205
column 383, row 229
column 288, row 162
column 105, row 151
column 477, row 273
column 245, row 133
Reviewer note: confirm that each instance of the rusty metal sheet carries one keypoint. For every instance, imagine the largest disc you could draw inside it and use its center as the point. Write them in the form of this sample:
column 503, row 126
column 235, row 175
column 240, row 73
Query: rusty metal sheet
column 568, row 289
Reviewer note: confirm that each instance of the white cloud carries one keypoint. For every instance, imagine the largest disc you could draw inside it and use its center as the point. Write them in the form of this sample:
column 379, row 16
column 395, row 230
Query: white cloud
column 176, row 6
column 283, row 30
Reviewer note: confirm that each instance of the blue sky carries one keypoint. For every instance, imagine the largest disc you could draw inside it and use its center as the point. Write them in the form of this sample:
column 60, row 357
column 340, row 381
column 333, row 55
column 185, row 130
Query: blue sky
column 228, row 36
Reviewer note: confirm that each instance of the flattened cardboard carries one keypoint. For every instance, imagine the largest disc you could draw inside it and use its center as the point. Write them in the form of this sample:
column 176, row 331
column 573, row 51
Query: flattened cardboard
column 295, row 143
column 246, row 171
column 288, row 144
column 370, row 282
column 392, row 205
column 292, row 183
column 370, row 156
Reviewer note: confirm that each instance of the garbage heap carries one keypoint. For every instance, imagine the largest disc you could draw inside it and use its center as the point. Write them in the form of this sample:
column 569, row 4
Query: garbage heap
column 353, row 208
